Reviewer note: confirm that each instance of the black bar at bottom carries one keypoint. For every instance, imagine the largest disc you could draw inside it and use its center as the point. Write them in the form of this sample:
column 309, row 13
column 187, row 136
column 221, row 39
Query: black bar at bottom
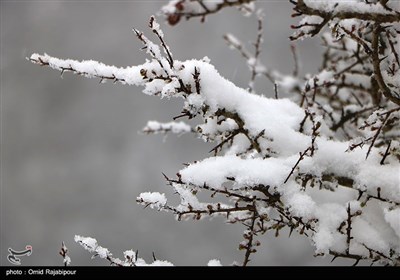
column 40, row 272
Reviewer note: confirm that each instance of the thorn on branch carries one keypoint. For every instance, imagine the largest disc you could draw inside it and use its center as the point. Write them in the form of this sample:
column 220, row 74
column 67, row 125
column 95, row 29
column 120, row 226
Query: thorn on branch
column 196, row 77
column 297, row 163
column 387, row 152
column 276, row 90
column 375, row 137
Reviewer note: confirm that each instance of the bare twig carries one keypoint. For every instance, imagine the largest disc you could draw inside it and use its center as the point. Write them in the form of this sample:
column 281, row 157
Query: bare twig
column 249, row 235
column 301, row 157
column 377, row 134
column 64, row 253
column 376, row 61
column 180, row 12
column 257, row 45
column 387, row 152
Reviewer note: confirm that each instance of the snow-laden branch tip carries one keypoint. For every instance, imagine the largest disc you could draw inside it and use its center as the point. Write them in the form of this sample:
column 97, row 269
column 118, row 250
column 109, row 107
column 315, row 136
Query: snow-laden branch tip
column 155, row 200
column 131, row 257
column 154, row 127
column 90, row 69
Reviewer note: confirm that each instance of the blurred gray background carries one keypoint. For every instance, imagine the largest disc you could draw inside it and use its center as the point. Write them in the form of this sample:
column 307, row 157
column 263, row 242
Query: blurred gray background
column 72, row 160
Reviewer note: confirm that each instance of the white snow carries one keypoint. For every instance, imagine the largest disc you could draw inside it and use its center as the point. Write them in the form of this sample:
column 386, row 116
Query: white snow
column 214, row 171
column 279, row 119
column 88, row 243
column 365, row 234
column 391, row 80
column 212, row 4
column 67, row 260
column 156, row 27
column 233, row 40
column 302, row 205
column 288, row 83
column 155, row 200
column 161, row 263
column 338, row 6
column 91, row 69
column 265, row 145
column 102, row 252
column 214, row 262
column 393, row 218
column 130, row 255
column 174, row 127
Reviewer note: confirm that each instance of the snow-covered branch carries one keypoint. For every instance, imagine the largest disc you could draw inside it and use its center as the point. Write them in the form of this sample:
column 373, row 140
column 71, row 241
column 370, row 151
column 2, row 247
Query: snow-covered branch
column 90, row 69
column 381, row 11
column 326, row 166
column 361, row 63
column 177, row 9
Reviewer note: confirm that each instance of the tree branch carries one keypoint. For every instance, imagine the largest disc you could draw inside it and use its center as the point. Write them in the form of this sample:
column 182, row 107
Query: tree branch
column 376, row 61
column 379, row 17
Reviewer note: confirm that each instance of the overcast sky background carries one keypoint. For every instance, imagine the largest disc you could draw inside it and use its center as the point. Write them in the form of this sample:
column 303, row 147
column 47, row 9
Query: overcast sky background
column 72, row 160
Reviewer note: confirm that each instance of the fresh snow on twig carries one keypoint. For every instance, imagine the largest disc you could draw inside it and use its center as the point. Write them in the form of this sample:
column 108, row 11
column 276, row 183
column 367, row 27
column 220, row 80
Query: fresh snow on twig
column 335, row 7
column 131, row 258
column 174, row 127
column 155, row 200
